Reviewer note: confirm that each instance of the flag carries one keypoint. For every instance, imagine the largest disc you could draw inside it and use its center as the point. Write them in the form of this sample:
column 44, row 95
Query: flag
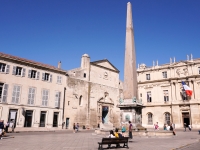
column 187, row 89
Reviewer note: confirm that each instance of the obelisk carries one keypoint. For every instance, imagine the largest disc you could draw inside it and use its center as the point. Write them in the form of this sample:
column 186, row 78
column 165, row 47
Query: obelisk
column 130, row 74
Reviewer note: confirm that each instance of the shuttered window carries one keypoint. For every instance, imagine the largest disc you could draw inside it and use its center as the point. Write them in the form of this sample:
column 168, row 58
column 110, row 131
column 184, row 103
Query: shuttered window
column 16, row 94
column 150, row 118
column 57, row 99
column 31, row 95
column 45, row 97
column 3, row 92
column 47, row 77
column 19, row 71
column 59, row 79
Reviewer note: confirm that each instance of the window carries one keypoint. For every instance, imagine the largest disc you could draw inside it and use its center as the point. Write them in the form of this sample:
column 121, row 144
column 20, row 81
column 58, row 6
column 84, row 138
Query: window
column 147, row 76
column 140, row 94
column 80, row 100
column 16, row 94
column 166, row 95
column 31, row 95
column 59, row 79
column 4, row 68
column 164, row 74
column 19, row 71
column 84, row 75
column 45, row 97
column 57, row 99
column 127, row 117
column 149, row 99
column 3, row 92
column 199, row 69
column 47, row 77
column 33, row 74
column 150, row 118
column 167, row 118
column 68, row 103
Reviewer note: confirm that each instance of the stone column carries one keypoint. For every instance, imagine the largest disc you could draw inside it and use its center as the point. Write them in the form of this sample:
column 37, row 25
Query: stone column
column 130, row 74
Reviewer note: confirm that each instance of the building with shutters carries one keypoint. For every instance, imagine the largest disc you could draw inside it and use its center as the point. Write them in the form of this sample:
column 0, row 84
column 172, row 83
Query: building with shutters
column 31, row 93
column 163, row 97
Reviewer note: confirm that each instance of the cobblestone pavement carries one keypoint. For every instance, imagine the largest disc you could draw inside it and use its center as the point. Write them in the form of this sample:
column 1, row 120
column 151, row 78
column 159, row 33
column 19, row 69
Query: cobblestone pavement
column 87, row 140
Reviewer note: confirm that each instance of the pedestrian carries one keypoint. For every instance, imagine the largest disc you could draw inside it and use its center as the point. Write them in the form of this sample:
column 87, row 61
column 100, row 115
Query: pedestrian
column 172, row 129
column 123, row 130
column 74, row 128
column 130, row 130
column 189, row 127
column 111, row 135
column 165, row 127
column 156, row 127
column 77, row 127
column 7, row 125
column 1, row 128
column 185, row 125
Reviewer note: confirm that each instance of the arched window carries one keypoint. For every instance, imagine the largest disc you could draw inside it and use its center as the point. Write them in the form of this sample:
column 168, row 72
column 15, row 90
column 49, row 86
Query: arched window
column 127, row 117
column 80, row 100
column 150, row 118
column 167, row 118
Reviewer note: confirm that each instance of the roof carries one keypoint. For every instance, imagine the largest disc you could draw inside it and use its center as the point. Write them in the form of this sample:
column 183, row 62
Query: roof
column 96, row 63
column 31, row 62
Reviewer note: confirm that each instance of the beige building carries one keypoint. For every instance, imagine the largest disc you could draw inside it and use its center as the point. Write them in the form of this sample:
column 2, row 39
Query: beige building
column 164, row 100
column 92, row 94
column 31, row 93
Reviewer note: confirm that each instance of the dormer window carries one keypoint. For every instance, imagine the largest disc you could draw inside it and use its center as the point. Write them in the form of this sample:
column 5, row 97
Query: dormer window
column 4, row 68
column 47, row 77
column 19, row 71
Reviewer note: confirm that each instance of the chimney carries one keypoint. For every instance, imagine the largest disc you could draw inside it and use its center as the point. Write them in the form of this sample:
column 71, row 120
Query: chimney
column 157, row 63
column 59, row 64
column 153, row 63
column 188, row 58
column 174, row 60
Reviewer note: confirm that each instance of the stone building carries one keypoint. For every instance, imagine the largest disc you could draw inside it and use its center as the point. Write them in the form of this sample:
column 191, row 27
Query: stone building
column 162, row 94
column 92, row 94
column 31, row 93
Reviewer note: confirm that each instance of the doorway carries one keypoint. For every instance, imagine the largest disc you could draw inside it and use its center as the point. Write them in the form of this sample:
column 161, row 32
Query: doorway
column 12, row 118
column 42, row 118
column 104, row 114
column 186, row 118
column 55, row 119
column 28, row 118
column 67, row 123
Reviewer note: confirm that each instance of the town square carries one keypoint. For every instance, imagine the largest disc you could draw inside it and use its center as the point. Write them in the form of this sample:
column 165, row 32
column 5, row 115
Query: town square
column 100, row 75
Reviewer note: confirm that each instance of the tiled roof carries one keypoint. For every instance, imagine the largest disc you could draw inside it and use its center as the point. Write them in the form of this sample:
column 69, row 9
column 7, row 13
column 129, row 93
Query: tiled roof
column 8, row 56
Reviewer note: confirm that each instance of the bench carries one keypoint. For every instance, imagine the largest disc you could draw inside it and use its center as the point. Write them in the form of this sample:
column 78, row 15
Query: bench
column 117, row 141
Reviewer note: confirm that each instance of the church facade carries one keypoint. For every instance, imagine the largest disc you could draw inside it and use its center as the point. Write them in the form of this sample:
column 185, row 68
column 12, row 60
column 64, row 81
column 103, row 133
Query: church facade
column 163, row 97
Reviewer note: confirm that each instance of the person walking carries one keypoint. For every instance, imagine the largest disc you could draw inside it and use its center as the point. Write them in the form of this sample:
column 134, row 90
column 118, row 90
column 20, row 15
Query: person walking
column 130, row 130
column 7, row 125
column 74, row 128
column 1, row 128
column 77, row 127
column 185, row 125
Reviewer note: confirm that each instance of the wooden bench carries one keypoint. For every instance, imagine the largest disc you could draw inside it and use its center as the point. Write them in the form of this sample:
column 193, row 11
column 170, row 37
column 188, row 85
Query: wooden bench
column 117, row 141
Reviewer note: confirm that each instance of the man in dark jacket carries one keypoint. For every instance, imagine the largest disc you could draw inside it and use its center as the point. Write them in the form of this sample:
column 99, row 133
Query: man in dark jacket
column 1, row 128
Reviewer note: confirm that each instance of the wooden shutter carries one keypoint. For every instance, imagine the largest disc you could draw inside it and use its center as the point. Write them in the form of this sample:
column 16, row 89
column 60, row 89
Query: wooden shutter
column 33, row 96
column 38, row 75
column 29, row 95
column 23, row 72
column 50, row 80
column 29, row 73
column 14, row 70
column 5, row 93
column 18, row 94
column 7, row 68
column 56, row 99
column 43, row 76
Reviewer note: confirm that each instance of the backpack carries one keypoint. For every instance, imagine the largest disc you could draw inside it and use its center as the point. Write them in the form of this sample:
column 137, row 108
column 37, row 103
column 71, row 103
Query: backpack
column 120, row 135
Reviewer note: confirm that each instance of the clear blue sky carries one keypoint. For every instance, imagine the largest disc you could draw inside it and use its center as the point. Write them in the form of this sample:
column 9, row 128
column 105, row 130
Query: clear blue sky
column 48, row 31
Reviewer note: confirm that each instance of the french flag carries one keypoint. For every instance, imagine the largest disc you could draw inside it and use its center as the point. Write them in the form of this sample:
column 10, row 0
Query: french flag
column 187, row 89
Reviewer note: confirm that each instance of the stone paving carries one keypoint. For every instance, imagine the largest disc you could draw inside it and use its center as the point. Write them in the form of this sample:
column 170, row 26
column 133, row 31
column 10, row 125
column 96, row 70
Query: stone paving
column 87, row 140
